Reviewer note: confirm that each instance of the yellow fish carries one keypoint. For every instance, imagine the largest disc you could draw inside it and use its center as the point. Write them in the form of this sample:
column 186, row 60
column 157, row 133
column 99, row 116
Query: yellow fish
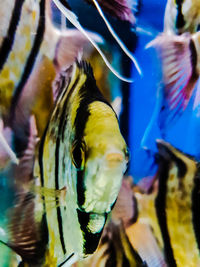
column 170, row 212
column 82, row 157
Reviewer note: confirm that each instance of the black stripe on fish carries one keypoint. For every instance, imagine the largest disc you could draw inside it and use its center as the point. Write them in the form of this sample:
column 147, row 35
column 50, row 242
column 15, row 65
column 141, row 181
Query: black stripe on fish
column 66, row 260
column 30, row 61
column 180, row 22
column 196, row 206
column 160, row 205
column 41, row 151
column 181, row 166
column 7, row 43
column 89, row 93
column 59, row 216
column 193, row 58
column 65, row 4
column 91, row 240
column 57, row 161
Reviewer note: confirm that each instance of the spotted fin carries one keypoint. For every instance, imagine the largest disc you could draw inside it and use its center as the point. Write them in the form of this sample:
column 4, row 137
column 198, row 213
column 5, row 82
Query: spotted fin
column 179, row 62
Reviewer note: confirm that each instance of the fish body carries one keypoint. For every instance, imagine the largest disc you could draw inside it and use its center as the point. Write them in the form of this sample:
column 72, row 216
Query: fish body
column 21, row 37
column 81, row 160
column 177, row 206
column 85, row 153
column 165, row 229
column 27, row 36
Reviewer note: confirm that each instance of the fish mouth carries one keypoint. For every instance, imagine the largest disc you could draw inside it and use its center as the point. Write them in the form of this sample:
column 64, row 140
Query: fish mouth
column 91, row 213
column 92, row 221
column 91, row 225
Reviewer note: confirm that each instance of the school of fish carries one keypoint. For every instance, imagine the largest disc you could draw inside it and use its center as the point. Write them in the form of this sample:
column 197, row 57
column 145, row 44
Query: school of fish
column 63, row 158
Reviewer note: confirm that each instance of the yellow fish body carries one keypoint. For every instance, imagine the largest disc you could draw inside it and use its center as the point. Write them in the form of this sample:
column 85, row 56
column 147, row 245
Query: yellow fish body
column 82, row 157
column 170, row 212
column 19, row 46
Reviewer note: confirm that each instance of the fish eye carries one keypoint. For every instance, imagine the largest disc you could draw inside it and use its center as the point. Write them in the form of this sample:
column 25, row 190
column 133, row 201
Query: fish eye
column 127, row 154
column 78, row 155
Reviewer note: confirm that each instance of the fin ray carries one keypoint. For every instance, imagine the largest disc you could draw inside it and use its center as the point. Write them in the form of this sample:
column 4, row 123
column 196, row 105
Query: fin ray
column 74, row 20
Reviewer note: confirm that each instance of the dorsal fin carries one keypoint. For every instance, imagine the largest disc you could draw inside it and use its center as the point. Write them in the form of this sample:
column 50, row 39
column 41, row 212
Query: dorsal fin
column 86, row 68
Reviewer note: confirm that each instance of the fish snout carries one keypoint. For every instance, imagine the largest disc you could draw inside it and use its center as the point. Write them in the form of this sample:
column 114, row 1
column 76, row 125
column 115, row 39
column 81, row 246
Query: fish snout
column 114, row 159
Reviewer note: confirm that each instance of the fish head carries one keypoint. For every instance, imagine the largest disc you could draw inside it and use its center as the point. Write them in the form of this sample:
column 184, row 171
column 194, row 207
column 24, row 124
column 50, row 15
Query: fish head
column 101, row 159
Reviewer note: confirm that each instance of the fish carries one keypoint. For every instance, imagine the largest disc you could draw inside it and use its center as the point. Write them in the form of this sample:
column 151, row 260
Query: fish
column 26, row 34
column 32, row 51
column 178, row 50
column 167, row 210
column 181, row 16
column 179, row 56
column 171, row 208
column 77, row 175
column 177, row 205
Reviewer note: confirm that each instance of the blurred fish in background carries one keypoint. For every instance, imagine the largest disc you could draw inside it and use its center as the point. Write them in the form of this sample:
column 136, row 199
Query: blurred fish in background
column 174, row 74
column 178, row 94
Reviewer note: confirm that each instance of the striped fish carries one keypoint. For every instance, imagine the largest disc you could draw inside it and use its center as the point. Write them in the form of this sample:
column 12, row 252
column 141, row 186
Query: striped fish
column 115, row 248
column 22, row 31
column 177, row 206
column 165, row 230
column 182, row 16
column 81, row 161
column 32, row 50
column 171, row 211
column 26, row 36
